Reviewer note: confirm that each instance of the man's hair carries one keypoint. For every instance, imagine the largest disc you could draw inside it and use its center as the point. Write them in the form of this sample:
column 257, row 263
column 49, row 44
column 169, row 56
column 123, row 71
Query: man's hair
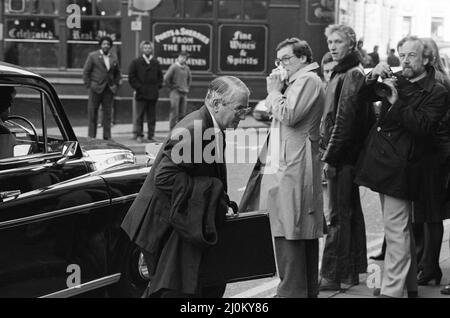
column 105, row 38
column 348, row 33
column 146, row 42
column 299, row 47
column 183, row 53
column 6, row 95
column 392, row 50
column 410, row 38
column 426, row 50
column 327, row 58
column 431, row 51
column 226, row 88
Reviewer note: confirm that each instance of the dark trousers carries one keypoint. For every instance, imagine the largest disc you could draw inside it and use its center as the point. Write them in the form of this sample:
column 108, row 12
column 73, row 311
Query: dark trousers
column 145, row 108
column 106, row 99
column 345, row 252
column 298, row 268
column 430, row 234
column 178, row 105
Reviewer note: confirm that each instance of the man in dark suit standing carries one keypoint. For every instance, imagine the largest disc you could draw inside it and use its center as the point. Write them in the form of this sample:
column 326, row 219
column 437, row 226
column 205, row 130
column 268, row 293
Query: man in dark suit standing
column 185, row 155
column 101, row 75
column 145, row 76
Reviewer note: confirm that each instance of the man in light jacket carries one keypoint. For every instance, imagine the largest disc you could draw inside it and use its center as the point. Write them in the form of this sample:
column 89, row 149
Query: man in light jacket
column 294, row 192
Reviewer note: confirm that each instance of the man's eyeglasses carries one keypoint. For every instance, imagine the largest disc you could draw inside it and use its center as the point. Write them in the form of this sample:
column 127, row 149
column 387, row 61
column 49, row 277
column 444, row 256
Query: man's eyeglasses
column 285, row 60
column 241, row 110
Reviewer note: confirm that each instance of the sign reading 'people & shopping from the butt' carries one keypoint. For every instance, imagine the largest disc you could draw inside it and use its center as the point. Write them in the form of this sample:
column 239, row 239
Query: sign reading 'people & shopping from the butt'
column 194, row 38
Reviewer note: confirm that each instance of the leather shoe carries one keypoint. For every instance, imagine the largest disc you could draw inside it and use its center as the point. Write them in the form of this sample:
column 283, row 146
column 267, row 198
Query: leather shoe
column 377, row 292
column 413, row 294
column 352, row 280
column 424, row 279
column 328, row 285
column 446, row 290
column 378, row 257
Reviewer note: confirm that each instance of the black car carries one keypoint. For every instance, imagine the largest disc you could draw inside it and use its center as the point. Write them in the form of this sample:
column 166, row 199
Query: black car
column 63, row 198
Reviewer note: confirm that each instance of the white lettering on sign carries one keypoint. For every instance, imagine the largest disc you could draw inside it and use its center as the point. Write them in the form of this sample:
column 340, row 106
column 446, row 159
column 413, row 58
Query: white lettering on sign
column 238, row 45
column 182, row 40
column 170, row 47
column 232, row 60
column 91, row 36
column 27, row 34
column 180, row 36
column 74, row 18
column 238, row 35
column 190, row 61
column 191, row 48
column 242, row 42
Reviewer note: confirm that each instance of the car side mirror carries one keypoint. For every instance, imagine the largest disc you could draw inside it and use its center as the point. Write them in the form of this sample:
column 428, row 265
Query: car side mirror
column 69, row 149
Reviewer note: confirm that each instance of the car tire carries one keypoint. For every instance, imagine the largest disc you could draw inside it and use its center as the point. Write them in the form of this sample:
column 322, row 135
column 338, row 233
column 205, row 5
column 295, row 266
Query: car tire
column 132, row 283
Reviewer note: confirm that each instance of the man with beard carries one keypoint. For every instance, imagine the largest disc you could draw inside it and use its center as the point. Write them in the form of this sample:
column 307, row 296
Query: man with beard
column 413, row 102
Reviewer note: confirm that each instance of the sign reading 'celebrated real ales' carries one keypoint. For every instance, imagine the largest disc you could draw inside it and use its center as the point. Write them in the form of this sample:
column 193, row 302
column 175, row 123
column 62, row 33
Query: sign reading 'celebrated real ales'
column 242, row 48
column 171, row 38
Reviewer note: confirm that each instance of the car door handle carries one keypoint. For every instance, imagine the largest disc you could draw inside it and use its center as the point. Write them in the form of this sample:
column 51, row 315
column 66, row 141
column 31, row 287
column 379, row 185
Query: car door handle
column 9, row 194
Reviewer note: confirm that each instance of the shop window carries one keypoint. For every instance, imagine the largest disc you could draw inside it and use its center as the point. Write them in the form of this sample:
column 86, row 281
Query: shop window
column 99, row 7
column 168, row 9
column 406, row 26
column 31, row 42
column 243, row 9
column 80, row 42
column 31, row 6
column 32, row 54
column 230, row 9
column 437, row 28
column 77, row 53
column 198, row 8
column 256, row 9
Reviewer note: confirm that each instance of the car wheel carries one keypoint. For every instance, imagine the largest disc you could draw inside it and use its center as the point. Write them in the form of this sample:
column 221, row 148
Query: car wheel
column 134, row 277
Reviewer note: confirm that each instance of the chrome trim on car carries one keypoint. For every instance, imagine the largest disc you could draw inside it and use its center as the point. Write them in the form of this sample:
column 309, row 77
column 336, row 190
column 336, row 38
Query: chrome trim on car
column 83, row 288
column 53, row 214
column 124, row 198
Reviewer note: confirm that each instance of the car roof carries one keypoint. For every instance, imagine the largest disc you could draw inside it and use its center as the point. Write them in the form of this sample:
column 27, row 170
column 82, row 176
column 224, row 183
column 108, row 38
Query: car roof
column 10, row 69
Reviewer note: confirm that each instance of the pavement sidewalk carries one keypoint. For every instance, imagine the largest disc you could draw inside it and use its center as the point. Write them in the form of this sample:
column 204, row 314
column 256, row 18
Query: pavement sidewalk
column 365, row 288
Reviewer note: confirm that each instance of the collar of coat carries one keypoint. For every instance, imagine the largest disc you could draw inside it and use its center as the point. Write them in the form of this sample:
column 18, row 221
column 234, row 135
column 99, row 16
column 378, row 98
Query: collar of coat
column 425, row 83
column 348, row 62
column 310, row 67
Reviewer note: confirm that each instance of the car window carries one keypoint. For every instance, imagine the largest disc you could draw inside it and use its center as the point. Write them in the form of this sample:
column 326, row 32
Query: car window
column 28, row 126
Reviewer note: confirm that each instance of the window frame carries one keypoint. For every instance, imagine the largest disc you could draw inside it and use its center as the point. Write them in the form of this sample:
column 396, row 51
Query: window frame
column 45, row 101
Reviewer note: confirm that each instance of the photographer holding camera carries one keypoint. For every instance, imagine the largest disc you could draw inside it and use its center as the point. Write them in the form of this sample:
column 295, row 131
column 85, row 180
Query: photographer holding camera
column 390, row 162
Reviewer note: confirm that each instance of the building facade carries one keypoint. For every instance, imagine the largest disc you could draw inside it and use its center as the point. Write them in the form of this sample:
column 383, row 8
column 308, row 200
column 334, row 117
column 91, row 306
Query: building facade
column 385, row 22
column 234, row 37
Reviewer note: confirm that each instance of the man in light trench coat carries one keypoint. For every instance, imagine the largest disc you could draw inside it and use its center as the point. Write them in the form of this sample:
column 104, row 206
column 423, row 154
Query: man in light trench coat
column 294, row 193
